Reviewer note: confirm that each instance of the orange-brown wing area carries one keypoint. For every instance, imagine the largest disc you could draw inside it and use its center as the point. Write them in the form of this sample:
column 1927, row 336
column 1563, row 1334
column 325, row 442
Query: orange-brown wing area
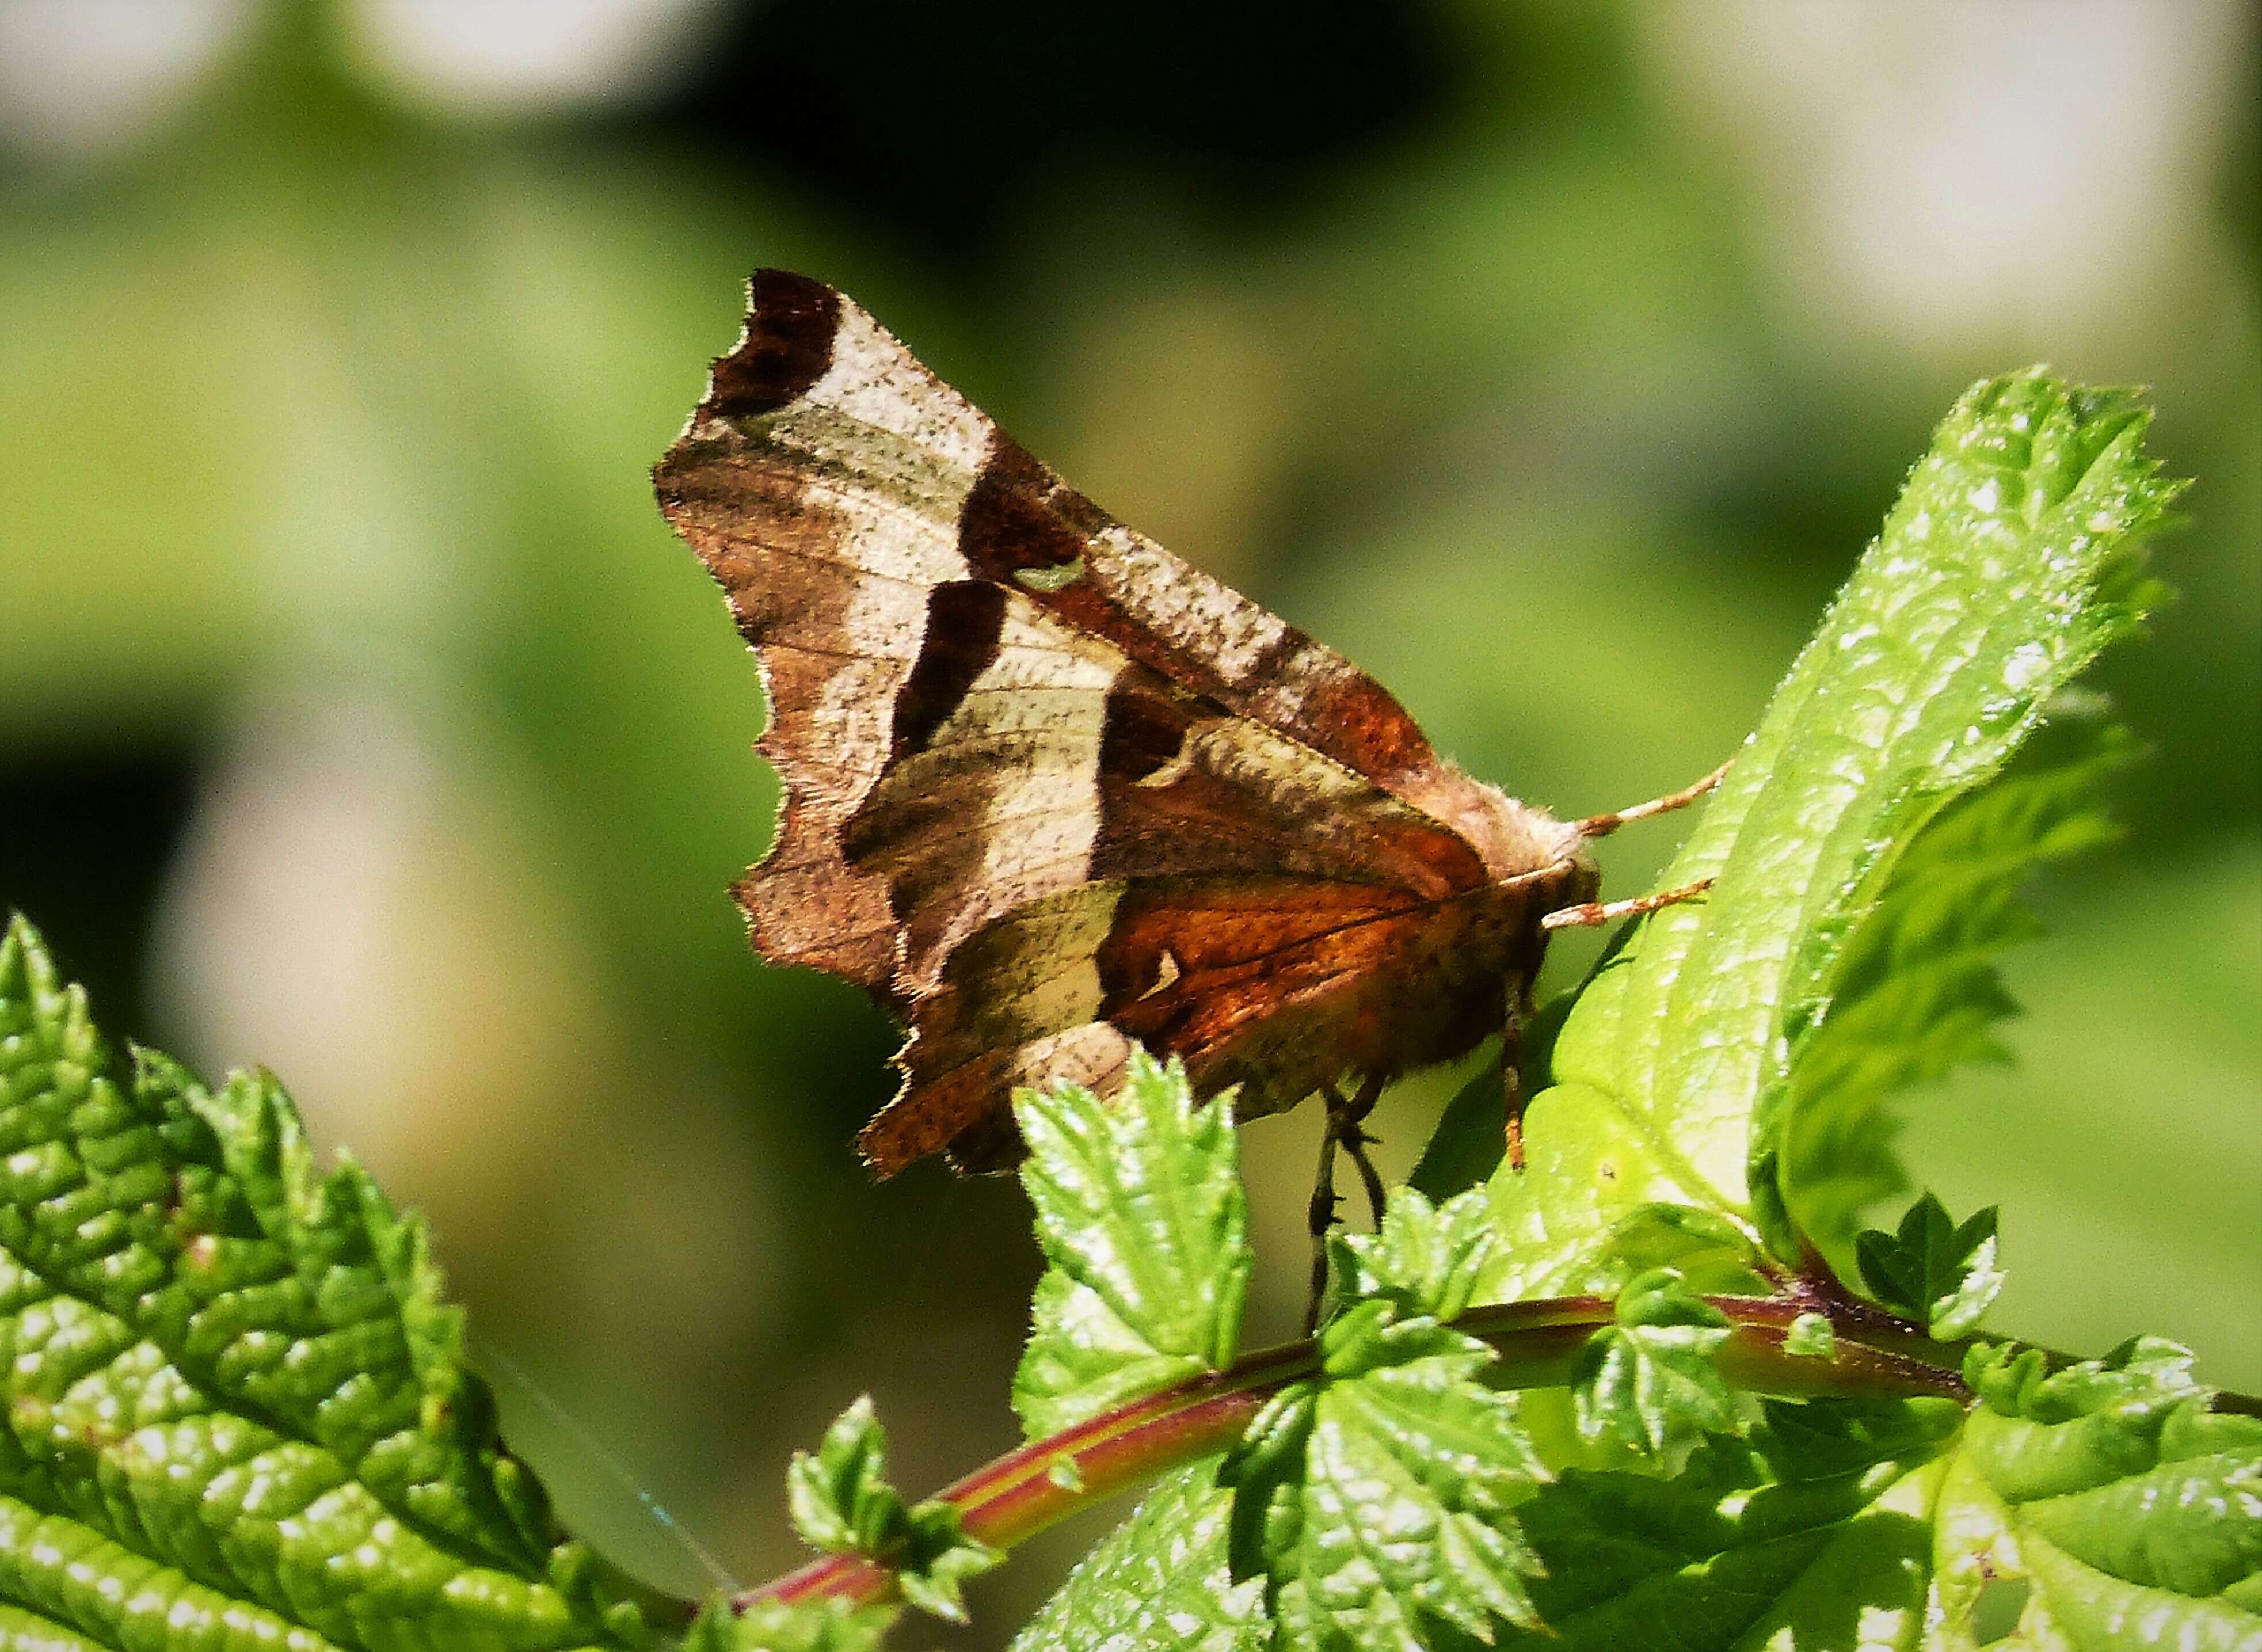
column 1278, row 985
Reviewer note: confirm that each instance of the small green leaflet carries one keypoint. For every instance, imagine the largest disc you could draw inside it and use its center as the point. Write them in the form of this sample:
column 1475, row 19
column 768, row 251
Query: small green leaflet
column 1426, row 1260
column 1709, row 1251
column 238, row 1401
column 1159, row 1583
column 1145, row 1228
column 1649, row 1380
column 2010, row 561
column 842, row 1503
column 1378, row 1496
column 2128, row 1507
column 1933, row 1271
column 810, row 1626
column 1811, row 1335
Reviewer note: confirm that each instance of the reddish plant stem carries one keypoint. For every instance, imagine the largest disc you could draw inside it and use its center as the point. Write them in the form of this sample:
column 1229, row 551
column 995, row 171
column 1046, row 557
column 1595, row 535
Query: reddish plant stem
column 1028, row 1489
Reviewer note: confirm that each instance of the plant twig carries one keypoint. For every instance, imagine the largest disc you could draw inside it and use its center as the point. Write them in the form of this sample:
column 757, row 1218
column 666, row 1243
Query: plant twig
column 1027, row 1490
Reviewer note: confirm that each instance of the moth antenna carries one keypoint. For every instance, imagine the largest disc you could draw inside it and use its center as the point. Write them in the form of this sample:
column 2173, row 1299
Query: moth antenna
column 1596, row 913
column 1601, row 826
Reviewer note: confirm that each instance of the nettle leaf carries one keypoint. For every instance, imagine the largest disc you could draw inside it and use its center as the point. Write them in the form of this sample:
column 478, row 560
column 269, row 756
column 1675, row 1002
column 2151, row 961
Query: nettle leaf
column 1811, row 1533
column 1931, row 1269
column 839, row 1496
column 803, row 1626
column 258, row 1357
column 2009, row 561
column 1378, row 1498
column 1916, row 992
column 1648, row 1381
column 1160, row 1582
column 1709, row 1251
column 2131, row 1511
column 841, row 1503
column 1426, row 1260
column 237, row 1403
column 1141, row 1213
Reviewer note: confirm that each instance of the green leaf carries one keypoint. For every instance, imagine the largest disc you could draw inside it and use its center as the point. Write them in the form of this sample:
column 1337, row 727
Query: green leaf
column 1933, row 1270
column 839, row 1494
column 841, row 1503
column 1649, row 1380
column 2008, row 563
column 1709, row 1251
column 1380, row 1496
column 1426, row 1260
column 237, row 1399
column 2126, row 1511
column 2132, row 1511
column 1916, row 992
column 804, row 1626
column 1140, row 1211
column 1811, row 1335
column 1812, row 1534
column 1159, row 1583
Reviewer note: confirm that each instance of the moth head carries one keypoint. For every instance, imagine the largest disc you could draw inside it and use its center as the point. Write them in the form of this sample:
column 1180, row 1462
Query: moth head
column 1515, row 839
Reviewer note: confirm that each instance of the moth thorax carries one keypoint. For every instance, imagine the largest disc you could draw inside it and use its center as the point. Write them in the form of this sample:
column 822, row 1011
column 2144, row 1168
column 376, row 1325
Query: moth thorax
column 1514, row 839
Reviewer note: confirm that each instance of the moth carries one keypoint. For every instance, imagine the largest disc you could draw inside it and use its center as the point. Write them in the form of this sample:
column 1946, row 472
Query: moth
column 1050, row 792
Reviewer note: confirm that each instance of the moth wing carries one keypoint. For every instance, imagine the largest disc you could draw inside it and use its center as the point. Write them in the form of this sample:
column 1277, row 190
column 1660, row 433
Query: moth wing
column 954, row 739
column 988, row 698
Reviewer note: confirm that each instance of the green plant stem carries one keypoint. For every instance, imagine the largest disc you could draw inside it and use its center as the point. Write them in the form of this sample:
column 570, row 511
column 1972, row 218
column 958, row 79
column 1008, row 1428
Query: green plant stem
column 1025, row 1490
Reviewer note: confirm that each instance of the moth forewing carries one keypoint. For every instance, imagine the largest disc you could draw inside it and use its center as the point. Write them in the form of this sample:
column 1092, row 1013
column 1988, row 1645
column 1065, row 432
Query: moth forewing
column 1050, row 792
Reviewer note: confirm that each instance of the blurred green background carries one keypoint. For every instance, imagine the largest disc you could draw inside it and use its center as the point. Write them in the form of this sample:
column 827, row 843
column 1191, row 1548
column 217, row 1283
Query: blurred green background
column 358, row 715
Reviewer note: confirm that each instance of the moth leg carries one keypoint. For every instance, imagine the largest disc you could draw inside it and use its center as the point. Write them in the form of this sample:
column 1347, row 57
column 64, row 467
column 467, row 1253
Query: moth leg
column 1595, row 912
column 1342, row 1130
column 1321, row 1213
column 1601, row 826
column 1356, row 1141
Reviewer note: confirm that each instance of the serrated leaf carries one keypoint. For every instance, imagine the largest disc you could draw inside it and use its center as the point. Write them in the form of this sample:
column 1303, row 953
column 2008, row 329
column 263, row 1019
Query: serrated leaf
column 237, row 1397
column 2006, row 565
column 1410, row 1475
column 1141, row 1213
column 1425, row 1259
column 805, row 1626
column 1933, row 1270
column 841, row 1502
column 1264, row 1471
column 838, row 1495
column 2132, row 1511
column 1649, row 1380
column 1159, row 1583
column 1379, row 1497
column 1916, row 992
column 1809, row 1537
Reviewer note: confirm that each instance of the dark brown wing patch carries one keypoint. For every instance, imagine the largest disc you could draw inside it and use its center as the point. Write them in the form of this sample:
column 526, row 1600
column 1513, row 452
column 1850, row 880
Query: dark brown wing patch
column 790, row 327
